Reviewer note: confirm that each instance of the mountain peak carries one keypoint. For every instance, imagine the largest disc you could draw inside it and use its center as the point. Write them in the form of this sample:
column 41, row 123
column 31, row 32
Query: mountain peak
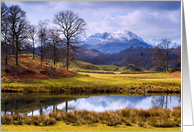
column 117, row 36
column 117, row 41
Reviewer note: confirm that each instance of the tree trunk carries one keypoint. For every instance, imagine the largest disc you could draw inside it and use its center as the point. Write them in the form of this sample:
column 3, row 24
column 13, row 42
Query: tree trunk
column 171, row 63
column 66, row 108
column 54, row 55
column 167, row 60
column 67, row 55
column 164, row 66
column 33, row 49
column 41, row 57
column 16, row 51
column 13, row 46
column 6, row 54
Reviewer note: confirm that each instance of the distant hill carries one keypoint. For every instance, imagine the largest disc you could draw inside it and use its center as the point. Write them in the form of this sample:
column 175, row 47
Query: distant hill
column 113, row 47
column 144, row 54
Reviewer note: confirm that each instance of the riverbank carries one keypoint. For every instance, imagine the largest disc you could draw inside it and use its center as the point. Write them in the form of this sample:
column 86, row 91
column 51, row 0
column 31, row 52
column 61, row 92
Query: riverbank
column 155, row 117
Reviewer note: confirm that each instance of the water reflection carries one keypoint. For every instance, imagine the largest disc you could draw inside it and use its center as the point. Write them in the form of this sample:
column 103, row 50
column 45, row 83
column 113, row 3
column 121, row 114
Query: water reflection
column 38, row 106
column 103, row 103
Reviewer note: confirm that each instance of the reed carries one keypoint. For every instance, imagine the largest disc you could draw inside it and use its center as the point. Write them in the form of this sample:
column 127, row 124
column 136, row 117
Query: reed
column 157, row 117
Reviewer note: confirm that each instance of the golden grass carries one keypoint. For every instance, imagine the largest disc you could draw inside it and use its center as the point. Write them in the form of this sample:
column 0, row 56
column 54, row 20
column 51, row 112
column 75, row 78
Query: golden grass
column 157, row 117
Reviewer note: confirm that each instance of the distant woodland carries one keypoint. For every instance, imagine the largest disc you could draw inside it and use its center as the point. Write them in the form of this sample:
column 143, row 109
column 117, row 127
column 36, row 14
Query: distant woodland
column 138, row 56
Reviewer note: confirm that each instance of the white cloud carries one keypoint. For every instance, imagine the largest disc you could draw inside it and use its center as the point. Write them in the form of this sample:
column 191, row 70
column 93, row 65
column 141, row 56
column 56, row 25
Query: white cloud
column 143, row 23
column 146, row 19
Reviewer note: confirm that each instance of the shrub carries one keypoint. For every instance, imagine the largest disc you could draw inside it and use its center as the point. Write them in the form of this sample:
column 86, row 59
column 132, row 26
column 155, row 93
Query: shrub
column 133, row 67
column 125, row 112
column 128, row 123
column 69, row 117
column 49, row 121
column 7, row 119
column 176, row 112
column 175, row 69
column 28, row 121
column 37, row 120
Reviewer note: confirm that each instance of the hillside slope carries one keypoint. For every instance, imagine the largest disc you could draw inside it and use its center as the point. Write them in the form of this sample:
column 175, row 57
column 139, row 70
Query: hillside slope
column 29, row 69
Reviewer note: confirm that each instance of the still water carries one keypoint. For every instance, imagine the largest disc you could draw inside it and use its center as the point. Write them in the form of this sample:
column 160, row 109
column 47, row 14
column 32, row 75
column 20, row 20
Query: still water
column 44, row 104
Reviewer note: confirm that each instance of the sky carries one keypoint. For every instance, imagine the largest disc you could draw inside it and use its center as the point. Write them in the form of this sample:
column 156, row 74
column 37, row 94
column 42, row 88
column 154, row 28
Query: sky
column 147, row 19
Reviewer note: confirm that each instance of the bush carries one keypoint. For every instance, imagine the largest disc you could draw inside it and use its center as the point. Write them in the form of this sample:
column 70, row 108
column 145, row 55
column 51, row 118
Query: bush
column 69, row 117
column 128, row 123
column 133, row 67
column 116, row 69
column 7, row 119
column 28, row 121
column 49, row 121
column 175, row 69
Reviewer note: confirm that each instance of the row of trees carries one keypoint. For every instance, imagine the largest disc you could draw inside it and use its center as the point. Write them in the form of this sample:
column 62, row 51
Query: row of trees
column 18, row 34
column 146, row 58
column 161, row 56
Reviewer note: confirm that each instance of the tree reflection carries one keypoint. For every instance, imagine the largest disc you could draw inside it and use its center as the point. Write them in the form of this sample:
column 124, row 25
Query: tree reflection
column 158, row 101
column 163, row 101
column 69, row 107
column 5, row 103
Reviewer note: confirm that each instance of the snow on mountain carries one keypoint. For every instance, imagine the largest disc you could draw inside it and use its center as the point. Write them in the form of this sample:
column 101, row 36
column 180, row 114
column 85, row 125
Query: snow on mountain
column 155, row 41
column 117, row 41
column 119, row 37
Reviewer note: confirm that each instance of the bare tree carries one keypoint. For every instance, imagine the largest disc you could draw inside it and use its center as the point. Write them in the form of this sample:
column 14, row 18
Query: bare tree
column 24, row 46
column 33, row 30
column 43, row 36
column 158, row 58
column 4, row 12
column 160, row 55
column 5, row 26
column 54, row 42
column 4, row 31
column 19, row 25
column 178, row 61
column 71, row 26
column 168, row 46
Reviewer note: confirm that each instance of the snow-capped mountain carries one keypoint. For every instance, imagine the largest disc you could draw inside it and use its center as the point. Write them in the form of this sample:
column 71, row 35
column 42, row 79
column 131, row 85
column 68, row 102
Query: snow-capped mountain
column 113, row 42
column 119, row 37
column 117, row 41
column 155, row 41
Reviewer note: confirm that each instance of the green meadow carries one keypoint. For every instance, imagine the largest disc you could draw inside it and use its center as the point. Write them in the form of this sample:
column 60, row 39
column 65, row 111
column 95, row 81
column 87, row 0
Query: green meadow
column 158, row 81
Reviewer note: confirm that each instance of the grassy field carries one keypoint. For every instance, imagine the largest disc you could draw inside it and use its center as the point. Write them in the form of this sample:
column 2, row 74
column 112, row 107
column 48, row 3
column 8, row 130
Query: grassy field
column 160, row 81
column 21, row 79
column 107, row 66
column 61, row 126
